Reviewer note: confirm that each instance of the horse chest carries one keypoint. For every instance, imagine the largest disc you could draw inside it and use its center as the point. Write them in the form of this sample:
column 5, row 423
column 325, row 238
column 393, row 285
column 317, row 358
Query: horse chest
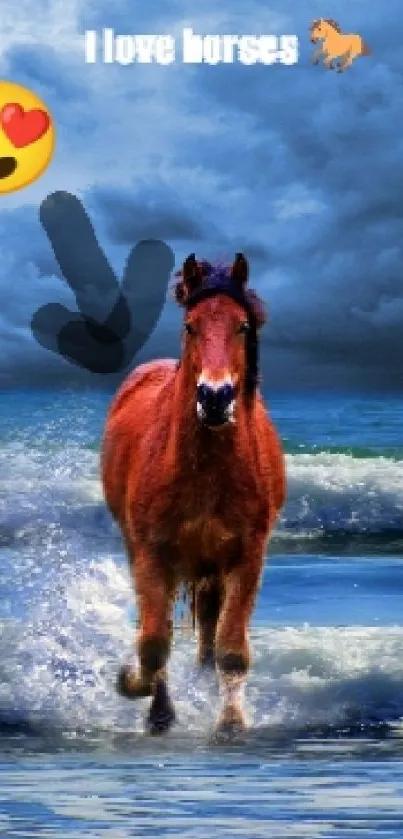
column 204, row 520
column 208, row 494
column 201, row 508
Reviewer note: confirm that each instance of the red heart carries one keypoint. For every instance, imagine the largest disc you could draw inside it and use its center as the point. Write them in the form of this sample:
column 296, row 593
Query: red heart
column 23, row 127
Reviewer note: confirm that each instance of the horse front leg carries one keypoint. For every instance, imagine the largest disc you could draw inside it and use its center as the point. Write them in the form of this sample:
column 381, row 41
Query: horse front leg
column 232, row 643
column 208, row 601
column 316, row 55
column 155, row 596
column 328, row 60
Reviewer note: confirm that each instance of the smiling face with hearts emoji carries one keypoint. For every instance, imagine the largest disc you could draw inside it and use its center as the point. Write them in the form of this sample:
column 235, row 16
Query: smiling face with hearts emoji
column 27, row 137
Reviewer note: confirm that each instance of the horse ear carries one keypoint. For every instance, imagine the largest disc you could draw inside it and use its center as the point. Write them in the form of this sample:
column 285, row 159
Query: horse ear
column 191, row 275
column 240, row 271
column 191, row 278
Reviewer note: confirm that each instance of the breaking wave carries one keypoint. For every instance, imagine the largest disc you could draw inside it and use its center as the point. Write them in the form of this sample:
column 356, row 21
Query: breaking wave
column 331, row 497
column 58, row 668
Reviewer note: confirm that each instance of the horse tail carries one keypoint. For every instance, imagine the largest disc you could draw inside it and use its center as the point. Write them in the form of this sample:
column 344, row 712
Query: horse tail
column 365, row 49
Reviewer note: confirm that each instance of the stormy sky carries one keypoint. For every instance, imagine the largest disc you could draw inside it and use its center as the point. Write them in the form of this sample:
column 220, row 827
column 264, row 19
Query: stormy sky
column 299, row 167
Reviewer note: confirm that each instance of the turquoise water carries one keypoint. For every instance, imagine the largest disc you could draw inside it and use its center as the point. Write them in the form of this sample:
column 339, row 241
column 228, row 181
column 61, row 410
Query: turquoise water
column 323, row 756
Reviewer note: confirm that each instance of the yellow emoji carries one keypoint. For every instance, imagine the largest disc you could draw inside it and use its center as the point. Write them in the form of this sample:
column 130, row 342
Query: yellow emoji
column 27, row 137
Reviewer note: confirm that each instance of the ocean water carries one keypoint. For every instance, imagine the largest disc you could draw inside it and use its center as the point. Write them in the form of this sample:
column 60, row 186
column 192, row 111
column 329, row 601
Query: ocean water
column 324, row 754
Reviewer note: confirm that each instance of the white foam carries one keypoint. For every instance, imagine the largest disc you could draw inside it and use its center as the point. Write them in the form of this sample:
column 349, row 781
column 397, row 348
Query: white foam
column 325, row 492
column 62, row 662
column 330, row 492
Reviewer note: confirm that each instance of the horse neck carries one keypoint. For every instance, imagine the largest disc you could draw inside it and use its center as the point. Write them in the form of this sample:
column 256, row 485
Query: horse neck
column 330, row 33
column 190, row 443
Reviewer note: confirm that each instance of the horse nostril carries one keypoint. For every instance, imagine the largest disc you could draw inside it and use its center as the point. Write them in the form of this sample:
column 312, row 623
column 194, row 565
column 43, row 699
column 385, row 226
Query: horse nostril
column 215, row 399
column 204, row 393
column 226, row 394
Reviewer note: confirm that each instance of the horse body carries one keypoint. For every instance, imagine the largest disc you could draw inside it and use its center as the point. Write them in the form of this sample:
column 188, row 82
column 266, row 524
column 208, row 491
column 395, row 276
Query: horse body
column 195, row 506
column 196, row 502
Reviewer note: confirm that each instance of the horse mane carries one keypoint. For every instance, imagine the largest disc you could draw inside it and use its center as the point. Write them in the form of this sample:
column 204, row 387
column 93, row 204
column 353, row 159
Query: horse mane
column 216, row 279
column 333, row 24
column 328, row 20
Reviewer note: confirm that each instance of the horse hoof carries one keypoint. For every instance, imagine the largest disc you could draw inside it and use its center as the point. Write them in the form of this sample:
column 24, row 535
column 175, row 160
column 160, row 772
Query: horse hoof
column 129, row 685
column 225, row 731
column 161, row 714
column 230, row 724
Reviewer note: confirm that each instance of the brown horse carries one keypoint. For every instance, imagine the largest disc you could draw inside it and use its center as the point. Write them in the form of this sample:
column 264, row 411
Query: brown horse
column 193, row 472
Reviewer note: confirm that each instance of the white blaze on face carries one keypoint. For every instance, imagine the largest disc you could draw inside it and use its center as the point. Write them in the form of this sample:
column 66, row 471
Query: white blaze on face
column 214, row 384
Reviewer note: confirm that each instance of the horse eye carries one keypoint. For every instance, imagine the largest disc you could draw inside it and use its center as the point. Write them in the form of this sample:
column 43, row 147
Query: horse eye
column 189, row 328
column 243, row 328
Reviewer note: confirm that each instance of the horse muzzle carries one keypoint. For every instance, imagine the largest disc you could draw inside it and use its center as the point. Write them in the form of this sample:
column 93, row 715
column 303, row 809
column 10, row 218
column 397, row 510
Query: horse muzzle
column 215, row 406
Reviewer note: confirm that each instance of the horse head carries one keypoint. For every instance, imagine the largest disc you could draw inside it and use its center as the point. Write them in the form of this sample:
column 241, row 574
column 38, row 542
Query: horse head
column 220, row 343
column 316, row 30
column 320, row 28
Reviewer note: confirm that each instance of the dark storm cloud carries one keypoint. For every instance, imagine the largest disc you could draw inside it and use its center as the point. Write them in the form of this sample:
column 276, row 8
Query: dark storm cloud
column 299, row 167
column 150, row 213
column 341, row 297
column 157, row 212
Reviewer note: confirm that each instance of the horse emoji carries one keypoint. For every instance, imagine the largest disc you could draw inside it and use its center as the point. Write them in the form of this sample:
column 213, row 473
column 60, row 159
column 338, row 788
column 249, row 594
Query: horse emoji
column 336, row 45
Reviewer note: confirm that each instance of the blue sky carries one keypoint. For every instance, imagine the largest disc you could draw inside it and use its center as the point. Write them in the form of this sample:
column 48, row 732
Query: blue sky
column 299, row 167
